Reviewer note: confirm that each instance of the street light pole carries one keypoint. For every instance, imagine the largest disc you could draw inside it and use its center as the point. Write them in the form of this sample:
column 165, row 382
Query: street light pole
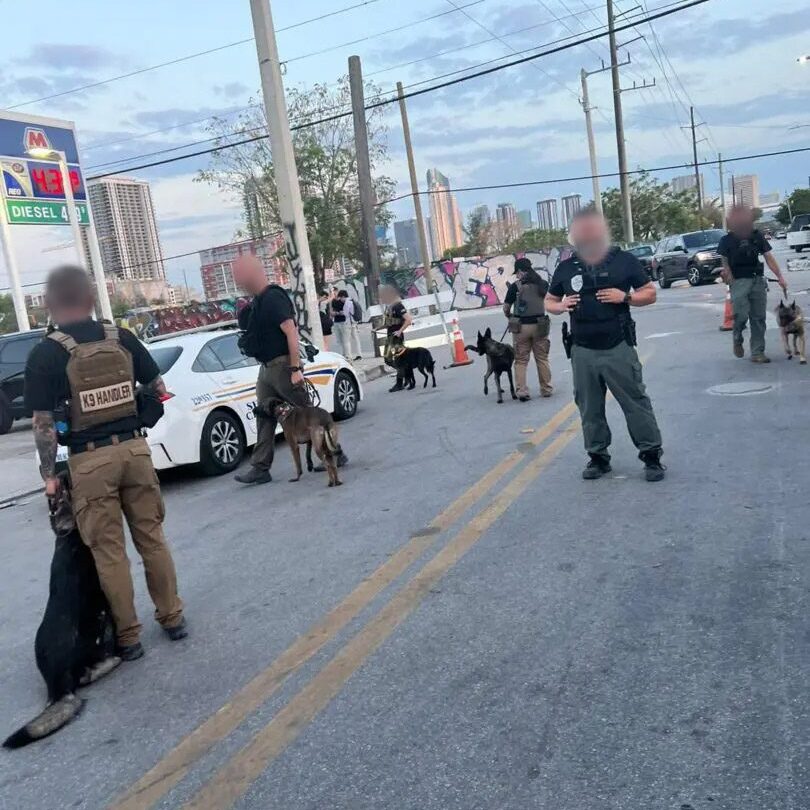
column 290, row 206
column 17, row 296
column 586, row 106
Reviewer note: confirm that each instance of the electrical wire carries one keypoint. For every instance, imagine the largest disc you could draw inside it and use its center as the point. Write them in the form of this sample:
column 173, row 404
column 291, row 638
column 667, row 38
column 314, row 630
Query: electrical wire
column 665, row 12
column 188, row 57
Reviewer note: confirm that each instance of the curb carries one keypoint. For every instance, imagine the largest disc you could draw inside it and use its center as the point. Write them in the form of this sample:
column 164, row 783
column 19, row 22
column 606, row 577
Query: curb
column 373, row 372
column 10, row 500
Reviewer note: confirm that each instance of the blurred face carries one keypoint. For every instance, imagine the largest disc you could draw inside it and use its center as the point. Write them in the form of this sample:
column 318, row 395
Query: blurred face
column 387, row 295
column 590, row 238
column 248, row 273
column 741, row 222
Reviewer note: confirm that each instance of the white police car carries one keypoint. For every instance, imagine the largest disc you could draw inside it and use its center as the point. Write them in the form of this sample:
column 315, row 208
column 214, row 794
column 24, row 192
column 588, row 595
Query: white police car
column 212, row 392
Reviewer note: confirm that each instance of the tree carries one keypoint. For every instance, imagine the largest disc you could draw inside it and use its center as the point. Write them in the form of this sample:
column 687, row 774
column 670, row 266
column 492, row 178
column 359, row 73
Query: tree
column 458, row 252
column 799, row 201
column 479, row 234
column 8, row 318
column 711, row 216
column 119, row 306
column 327, row 171
column 657, row 209
column 536, row 239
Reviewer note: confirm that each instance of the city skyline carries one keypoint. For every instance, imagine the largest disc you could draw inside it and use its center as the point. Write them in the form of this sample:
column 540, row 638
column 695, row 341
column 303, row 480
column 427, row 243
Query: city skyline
column 445, row 216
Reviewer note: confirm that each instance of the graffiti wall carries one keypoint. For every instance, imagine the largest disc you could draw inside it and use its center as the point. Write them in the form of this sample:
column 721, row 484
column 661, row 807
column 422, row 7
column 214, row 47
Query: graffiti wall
column 147, row 323
column 477, row 283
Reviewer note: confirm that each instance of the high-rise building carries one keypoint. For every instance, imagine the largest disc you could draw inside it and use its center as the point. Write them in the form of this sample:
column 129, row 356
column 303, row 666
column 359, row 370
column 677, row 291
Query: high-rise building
column 406, row 235
column 525, row 220
column 126, row 228
column 508, row 224
column 547, row 217
column 686, row 182
column 445, row 217
column 484, row 212
column 772, row 198
column 571, row 203
column 216, row 265
column 745, row 188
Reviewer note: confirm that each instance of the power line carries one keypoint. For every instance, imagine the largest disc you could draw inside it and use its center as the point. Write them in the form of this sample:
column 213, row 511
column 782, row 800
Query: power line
column 665, row 12
column 188, row 57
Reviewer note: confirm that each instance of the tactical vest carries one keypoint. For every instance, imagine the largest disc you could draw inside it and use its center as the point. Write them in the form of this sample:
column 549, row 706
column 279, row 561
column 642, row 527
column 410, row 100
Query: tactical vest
column 530, row 303
column 101, row 379
column 391, row 321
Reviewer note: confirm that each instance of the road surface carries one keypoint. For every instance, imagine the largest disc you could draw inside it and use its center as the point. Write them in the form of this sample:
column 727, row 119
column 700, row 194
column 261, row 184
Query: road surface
column 466, row 623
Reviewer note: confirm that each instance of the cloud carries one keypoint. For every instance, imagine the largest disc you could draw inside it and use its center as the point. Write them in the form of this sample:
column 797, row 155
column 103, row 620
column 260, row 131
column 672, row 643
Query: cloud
column 176, row 116
column 63, row 56
column 231, row 90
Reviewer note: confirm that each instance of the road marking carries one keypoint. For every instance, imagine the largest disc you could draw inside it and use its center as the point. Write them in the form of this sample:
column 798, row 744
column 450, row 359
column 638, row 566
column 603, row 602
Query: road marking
column 174, row 766
column 236, row 776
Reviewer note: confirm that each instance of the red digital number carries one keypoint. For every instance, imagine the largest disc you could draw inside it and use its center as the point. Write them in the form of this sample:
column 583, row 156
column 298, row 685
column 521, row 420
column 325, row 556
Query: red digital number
column 38, row 176
column 75, row 181
column 55, row 185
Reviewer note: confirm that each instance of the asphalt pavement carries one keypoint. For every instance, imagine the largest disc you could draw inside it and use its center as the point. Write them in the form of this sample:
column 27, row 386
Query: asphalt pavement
column 466, row 623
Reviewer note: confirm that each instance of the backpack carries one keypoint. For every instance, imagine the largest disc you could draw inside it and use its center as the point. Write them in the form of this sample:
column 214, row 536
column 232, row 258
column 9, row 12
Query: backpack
column 249, row 342
column 357, row 314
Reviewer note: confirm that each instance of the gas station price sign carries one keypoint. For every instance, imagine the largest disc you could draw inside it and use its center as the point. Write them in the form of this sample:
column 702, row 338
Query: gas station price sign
column 39, row 180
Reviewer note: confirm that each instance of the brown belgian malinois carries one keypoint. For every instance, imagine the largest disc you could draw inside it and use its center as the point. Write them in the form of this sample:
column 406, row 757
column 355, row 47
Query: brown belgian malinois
column 791, row 322
column 314, row 427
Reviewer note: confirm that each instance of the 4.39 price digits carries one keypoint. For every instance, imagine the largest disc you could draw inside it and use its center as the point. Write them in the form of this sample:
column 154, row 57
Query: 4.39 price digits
column 48, row 181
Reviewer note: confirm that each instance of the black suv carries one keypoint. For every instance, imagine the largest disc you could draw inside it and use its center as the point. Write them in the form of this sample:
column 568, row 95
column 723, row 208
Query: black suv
column 644, row 253
column 14, row 351
column 692, row 256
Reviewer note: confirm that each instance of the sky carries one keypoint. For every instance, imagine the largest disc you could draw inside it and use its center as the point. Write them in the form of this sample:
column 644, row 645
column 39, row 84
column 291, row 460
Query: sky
column 734, row 60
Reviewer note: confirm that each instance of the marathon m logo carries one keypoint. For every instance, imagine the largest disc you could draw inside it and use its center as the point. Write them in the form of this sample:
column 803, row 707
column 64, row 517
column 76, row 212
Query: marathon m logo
column 35, row 139
column 108, row 396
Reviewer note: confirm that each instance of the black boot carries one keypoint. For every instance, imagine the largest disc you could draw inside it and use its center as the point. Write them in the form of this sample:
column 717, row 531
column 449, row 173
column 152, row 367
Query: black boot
column 598, row 466
column 254, row 476
column 178, row 631
column 653, row 469
column 342, row 461
column 130, row 652
column 398, row 387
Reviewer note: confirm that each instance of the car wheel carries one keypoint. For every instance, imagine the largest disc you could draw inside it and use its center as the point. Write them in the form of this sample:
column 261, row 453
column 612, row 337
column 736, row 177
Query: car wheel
column 222, row 444
column 347, row 396
column 693, row 276
column 6, row 416
column 663, row 282
column 798, row 248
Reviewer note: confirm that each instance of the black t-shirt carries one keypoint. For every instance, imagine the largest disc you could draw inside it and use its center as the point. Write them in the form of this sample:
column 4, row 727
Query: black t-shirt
column 338, row 315
column 46, row 382
column 595, row 325
column 397, row 312
column 512, row 295
column 743, row 255
column 270, row 309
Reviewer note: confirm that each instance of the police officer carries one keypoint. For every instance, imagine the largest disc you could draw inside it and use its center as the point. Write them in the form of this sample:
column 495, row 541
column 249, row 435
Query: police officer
column 88, row 372
column 596, row 287
column 396, row 320
column 271, row 337
column 525, row 307
column 741, row 249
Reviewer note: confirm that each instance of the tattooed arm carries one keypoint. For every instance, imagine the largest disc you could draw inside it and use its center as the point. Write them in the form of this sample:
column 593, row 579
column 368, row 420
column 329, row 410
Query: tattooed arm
column 45, row 441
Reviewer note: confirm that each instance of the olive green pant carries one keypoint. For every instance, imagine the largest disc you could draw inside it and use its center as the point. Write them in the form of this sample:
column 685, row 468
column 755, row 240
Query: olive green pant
column 532, row 340
column 109, row 484
column 749, row 300
column 618, row 370
column 273, row 383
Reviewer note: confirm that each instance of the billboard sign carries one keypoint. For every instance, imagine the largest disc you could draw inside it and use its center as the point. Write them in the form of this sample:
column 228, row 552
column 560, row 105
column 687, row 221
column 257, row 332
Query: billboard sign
column 33, row 188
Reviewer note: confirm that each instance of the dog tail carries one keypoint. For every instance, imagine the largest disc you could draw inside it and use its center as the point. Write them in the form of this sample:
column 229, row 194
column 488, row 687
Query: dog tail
column 330, row 438
column 55, row 716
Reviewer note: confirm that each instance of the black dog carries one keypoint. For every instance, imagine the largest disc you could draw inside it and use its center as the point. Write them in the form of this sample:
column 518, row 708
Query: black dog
column 75, row 641
column 500, row 358
column 409, row 360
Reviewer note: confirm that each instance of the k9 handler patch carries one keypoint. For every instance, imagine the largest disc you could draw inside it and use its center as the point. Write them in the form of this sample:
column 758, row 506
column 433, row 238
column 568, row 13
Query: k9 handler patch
column 108, row 396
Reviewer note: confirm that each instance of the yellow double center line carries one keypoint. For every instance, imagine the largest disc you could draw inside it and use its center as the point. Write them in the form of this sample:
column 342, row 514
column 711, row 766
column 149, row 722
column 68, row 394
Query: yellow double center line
column 230, row 781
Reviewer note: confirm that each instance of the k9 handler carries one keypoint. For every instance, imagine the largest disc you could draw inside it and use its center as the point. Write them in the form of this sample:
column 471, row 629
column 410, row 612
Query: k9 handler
column 596, row 287
column 89, row 371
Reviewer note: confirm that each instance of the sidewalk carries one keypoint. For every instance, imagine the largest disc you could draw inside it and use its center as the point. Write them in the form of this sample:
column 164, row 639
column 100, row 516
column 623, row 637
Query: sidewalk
column 18, row 470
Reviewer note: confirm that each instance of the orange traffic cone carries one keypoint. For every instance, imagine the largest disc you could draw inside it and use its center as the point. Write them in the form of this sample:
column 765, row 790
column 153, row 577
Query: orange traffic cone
column 728, row 313
column 460, row 356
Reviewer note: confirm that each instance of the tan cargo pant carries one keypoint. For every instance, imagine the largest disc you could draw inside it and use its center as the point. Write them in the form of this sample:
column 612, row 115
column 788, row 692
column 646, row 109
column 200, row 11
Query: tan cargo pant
column 110, row 484
column 528, row 342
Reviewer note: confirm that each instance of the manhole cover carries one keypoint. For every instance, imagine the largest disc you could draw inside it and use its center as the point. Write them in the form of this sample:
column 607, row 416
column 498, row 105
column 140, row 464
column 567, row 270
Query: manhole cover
column 740, row 389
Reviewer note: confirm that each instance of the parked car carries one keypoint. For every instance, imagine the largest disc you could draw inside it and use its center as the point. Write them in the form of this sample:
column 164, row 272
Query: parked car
column 781, row 234
column 212, row 392
column 798, row 235
column 692, row 256
column 644, row 253
column 14, row 351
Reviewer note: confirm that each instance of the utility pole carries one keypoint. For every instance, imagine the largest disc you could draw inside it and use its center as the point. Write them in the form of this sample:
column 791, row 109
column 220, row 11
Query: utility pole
column 695, row 158
column 624, row 182
column 586, row 106
column 733, row 192
column 17, row 295
column 291, row 209
column 367, row 207
column 417, row 200
column 722, row 190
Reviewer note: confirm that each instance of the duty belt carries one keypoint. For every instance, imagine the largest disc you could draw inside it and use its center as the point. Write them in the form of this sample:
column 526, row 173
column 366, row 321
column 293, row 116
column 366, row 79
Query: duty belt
column 116, row 438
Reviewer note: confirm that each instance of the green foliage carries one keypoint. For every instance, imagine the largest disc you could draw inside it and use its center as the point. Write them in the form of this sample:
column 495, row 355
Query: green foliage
column 536, row 239
column 459, row 251
column 657, row 210
column 327, row 171
column 479, row 235
column 8, row 318
column 799, row 204
column 119, row 306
